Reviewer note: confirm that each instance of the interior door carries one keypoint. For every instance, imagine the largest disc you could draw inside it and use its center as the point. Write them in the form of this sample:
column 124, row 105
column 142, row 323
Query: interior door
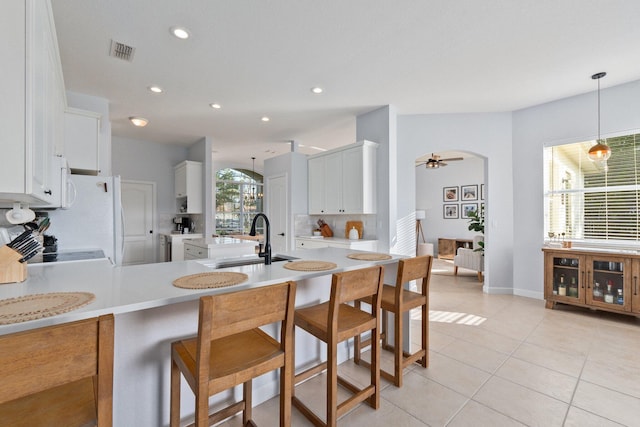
column 138, row 205
column 277, row 208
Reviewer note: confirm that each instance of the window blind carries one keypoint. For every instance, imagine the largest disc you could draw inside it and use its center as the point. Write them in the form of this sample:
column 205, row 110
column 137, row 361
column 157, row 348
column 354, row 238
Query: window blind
column 586, row 200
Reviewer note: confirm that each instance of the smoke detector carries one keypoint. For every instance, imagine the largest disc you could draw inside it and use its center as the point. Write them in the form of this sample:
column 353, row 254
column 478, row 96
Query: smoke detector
column 121, row 51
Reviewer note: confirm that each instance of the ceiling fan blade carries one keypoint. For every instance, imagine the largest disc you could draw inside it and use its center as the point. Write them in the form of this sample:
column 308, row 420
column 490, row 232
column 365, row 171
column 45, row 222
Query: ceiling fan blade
column 420, row 163
column 441, row 163
column 452, row 159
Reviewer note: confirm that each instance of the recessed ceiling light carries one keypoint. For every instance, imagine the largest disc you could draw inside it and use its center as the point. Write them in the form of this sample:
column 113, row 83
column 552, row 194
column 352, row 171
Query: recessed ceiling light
column 265, row 119
column 215, row 105
column 180, row 32
column 317, row 89
column 138, row 121
column 155, row 89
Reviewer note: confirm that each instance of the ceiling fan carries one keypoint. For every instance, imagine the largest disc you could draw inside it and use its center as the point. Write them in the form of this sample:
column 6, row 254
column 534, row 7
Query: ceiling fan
column 435, row 161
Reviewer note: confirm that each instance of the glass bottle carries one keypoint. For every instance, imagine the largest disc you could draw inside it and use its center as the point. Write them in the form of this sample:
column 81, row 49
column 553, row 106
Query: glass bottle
column 620, row 298
column 598, row 295
column 608, row 296
column 573, row 288
column 562, row 288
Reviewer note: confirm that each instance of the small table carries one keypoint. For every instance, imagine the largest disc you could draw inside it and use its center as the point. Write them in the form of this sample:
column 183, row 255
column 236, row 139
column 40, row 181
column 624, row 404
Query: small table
column 447, row 248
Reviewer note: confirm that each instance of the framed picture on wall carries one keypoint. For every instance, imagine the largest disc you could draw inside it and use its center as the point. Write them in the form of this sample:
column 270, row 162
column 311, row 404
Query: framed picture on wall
column 450, row 194
column 481, row 191
column 450, row 211
column 468, row 208
column 469, row 192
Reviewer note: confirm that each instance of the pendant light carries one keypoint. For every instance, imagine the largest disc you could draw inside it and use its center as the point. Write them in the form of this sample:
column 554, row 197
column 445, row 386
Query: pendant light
column 252, row 195
column 601, row 151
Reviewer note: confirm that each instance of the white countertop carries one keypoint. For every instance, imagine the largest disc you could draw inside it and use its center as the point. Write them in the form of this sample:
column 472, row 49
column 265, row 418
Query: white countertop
column 139, row 287
column 335, row 239
column 179, row 236
column 213, row 242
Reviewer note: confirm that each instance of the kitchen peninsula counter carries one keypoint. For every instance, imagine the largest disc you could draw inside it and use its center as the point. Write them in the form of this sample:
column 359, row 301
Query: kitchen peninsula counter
column 139, row 287
column 150, row 313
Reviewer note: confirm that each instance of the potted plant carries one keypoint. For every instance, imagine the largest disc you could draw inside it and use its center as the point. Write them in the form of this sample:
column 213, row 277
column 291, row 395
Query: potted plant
column 476, row 223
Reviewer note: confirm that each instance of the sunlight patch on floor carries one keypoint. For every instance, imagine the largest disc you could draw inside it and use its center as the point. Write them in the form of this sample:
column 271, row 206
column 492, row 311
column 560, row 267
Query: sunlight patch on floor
column 457, row 318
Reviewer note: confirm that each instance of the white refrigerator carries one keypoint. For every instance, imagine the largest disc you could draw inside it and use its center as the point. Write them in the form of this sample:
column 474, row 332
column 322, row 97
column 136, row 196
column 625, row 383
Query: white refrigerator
column 94, row 219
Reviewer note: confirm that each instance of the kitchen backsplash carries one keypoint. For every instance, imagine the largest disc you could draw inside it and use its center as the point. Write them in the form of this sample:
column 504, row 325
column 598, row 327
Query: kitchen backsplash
column 305, row 224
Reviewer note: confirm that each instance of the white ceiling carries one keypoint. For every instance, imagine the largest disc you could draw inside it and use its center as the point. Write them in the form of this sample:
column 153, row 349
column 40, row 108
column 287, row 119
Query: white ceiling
column 262, row 57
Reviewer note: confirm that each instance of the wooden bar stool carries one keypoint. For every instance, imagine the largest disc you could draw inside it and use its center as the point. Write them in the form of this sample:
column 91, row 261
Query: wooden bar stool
column 335, row 321
column 231, row 349
column 58, row 375
column 398, row 300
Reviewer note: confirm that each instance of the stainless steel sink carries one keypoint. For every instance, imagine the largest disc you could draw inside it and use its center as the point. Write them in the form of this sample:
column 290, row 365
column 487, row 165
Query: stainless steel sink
column 237, row 262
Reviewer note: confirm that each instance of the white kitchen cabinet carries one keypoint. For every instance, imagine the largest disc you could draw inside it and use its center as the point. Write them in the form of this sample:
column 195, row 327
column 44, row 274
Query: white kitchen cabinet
column 188, row 187
column 33, row 101
column 82, row 140
column 311, row 243
column 194, row 251
column 336, row 242
column 177, row 242
column 218, row 247
column 343, row 181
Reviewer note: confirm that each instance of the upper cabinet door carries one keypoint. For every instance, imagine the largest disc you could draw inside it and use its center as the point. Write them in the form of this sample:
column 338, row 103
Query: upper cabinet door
column 316, row 185
column 82, row 140
column 343, row 181
column 333, row 184
column 188, row 187
column 32, row 92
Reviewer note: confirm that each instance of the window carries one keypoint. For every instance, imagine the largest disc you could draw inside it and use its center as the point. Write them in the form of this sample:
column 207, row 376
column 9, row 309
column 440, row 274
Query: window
column 591, row 202
column 239, row 197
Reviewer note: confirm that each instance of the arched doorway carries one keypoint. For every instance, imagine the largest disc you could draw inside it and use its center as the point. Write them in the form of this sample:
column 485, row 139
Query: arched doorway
column 448, row 192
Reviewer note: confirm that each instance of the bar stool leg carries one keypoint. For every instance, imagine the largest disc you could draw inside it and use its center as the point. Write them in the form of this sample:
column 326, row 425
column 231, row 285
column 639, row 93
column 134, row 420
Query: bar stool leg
column 248, row 404
column 425, row 336
column 332, row 384
column 175, row 396
column 398, row 349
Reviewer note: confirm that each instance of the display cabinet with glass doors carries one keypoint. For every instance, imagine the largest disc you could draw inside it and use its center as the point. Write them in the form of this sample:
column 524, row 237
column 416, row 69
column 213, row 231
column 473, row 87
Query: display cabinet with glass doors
column 602, row 280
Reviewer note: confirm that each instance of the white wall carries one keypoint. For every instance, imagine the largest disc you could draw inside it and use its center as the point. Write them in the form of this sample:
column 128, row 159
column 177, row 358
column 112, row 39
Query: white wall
column 429, row 197
column 567, row 120
column 146, row 161
column 381, row 126
column 294, row 166
column 201, row 151
column 488, row 135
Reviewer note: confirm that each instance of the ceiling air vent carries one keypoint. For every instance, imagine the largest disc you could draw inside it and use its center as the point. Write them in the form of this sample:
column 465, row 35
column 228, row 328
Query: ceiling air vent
column 122, row 51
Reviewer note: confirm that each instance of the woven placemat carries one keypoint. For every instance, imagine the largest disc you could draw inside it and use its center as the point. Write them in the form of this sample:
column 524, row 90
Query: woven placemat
column 37, row 306
column 369, row 256
column 215, row 279
column 310, row 265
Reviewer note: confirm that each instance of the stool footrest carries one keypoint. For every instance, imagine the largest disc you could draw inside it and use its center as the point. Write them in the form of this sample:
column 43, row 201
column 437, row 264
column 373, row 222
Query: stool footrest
column 353, row 401
column 304, row 375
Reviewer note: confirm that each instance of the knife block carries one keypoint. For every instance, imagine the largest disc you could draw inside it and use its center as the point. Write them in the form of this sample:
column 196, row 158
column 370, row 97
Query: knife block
column 11, row 270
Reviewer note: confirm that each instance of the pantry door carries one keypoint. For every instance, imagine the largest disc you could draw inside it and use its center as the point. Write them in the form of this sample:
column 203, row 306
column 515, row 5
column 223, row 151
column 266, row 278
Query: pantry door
column 277, row 208
column 138, row 205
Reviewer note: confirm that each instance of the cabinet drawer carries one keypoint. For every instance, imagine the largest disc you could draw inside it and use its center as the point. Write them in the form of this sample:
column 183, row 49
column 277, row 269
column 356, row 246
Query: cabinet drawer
column 194, row 252
column 310, row 244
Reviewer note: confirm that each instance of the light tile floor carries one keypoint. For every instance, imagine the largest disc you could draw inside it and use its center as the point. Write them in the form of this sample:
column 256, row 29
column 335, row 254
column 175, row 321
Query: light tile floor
column 498, row 360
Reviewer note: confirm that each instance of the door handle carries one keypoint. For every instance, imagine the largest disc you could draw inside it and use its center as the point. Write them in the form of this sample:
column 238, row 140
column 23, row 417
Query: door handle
column 280, row 234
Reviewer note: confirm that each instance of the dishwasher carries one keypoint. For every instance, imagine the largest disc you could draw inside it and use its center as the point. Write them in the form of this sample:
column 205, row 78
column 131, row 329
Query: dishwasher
column 165, row 247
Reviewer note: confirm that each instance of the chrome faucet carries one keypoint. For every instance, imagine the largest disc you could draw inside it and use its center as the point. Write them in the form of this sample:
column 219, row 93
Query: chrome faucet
column 267, row 242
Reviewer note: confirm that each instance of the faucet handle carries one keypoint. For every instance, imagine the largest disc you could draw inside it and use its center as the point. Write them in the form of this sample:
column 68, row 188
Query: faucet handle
column 258, row 248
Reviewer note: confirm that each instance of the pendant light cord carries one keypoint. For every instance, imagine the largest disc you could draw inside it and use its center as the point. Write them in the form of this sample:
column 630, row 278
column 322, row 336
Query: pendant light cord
column 597, row 77
column 599, row 111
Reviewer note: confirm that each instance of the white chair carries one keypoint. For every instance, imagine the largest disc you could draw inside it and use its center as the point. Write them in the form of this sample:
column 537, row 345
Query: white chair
column 470, row 259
